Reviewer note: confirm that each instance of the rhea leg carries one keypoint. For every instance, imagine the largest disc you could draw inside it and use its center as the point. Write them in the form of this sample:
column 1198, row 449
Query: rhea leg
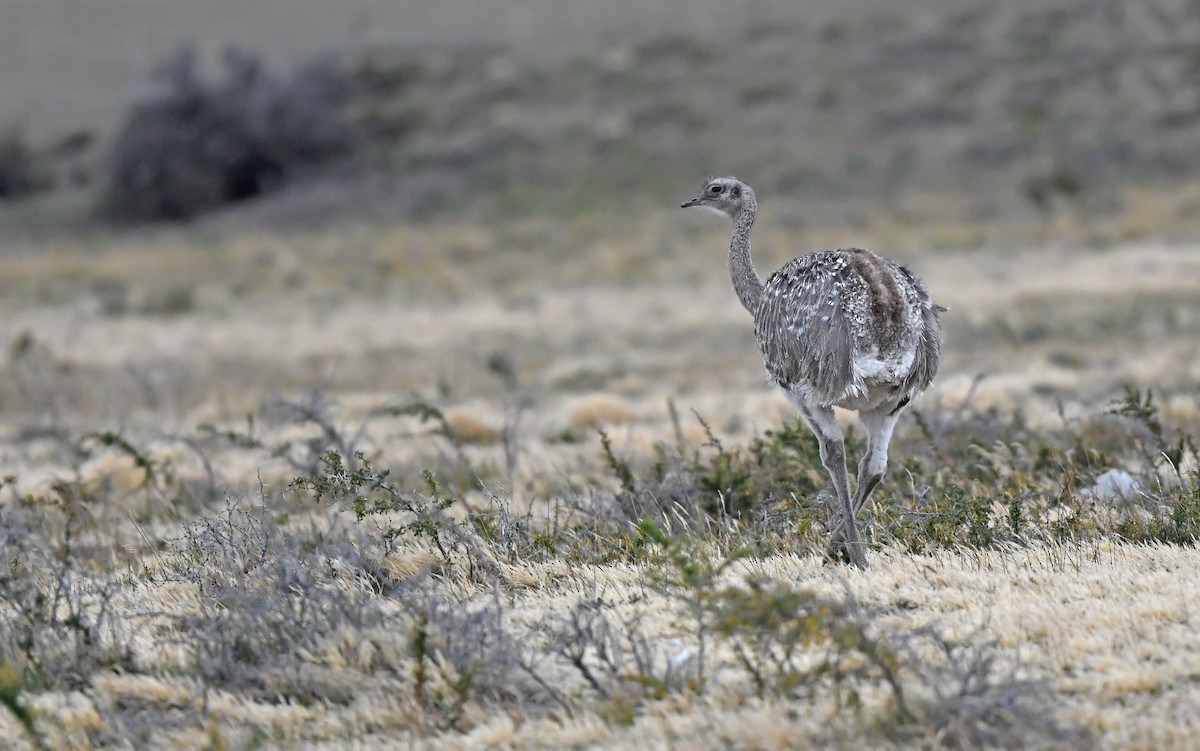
column 833, row 455
column 879, row 425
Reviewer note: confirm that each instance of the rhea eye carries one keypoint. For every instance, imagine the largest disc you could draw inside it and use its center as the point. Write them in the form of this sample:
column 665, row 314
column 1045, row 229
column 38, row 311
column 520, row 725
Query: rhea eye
column 716, row 189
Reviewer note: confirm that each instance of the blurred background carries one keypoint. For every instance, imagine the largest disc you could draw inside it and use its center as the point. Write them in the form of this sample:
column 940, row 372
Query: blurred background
column 201, row 205
column 533, row 105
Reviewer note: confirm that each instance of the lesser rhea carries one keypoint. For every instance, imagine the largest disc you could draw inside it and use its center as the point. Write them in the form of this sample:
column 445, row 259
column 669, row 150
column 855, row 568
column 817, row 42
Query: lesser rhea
column 838, row 328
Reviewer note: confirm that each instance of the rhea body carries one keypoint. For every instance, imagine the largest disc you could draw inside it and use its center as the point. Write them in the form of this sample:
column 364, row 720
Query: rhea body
column 838, row 328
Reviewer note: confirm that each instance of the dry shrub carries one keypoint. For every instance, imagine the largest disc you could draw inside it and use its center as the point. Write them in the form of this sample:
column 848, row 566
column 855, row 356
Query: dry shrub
column 465, row 427
column 193, row 145
column 598, row 410
column 20, row 173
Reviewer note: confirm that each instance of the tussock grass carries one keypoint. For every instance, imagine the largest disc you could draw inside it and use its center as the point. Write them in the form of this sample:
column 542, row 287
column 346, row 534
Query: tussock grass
column 454, row 482
column 393, row 517
column 599, row 410
column 429, row 604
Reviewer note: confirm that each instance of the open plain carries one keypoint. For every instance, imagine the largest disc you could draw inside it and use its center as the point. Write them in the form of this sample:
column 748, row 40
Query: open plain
column 309, row 473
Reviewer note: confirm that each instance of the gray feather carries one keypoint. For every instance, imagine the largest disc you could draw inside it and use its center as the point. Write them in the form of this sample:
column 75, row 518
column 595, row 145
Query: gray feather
column 822, row 310
column 803, row 330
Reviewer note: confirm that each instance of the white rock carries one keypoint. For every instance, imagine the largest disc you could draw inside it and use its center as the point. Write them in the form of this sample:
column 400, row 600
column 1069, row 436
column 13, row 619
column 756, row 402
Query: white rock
column 1113, row 485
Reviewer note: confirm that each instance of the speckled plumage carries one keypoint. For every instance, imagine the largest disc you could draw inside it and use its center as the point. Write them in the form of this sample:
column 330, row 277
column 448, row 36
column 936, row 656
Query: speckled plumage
column 845, row 326
column 839, row 328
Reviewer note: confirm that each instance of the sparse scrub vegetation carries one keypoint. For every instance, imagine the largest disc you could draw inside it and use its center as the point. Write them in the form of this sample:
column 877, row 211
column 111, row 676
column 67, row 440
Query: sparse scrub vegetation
column 409, row 587
column 311, row 554
column 421, row 580
column 434, row 452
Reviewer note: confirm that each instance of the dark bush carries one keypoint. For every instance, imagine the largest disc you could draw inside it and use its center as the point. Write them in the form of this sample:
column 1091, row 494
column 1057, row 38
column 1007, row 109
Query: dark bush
column 192, row 145
column 20, row 172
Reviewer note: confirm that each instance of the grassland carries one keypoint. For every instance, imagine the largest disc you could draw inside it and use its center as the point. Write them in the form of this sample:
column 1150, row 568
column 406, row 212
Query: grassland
column 332, row 470
column 611, row 482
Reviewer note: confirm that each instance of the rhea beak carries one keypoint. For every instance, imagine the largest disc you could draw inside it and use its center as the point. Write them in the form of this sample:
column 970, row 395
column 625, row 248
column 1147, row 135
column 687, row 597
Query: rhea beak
column 690, row 202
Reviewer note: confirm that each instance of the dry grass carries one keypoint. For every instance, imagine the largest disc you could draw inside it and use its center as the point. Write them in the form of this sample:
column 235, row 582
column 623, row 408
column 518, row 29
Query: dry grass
column 217, row 606
column 466, row 427
column 598, row 411
column 1116, row 683
column 563, row 508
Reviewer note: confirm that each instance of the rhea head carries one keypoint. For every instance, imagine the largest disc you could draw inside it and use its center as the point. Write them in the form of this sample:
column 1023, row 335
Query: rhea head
column 725, row 195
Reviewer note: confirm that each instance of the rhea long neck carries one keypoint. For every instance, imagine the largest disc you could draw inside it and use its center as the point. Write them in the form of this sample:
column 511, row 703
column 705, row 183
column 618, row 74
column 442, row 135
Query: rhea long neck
column 746, row 281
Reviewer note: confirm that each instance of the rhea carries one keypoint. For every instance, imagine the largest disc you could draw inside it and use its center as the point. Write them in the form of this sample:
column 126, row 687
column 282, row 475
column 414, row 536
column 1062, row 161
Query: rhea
column 837, row 328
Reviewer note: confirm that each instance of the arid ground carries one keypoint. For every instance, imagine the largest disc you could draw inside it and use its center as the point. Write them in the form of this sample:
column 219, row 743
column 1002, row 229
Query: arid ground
column 302, row 474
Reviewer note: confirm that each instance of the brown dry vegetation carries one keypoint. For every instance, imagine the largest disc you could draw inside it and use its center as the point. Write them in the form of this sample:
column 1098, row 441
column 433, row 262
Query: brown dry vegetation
column 197, row 597
column 515, row 479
